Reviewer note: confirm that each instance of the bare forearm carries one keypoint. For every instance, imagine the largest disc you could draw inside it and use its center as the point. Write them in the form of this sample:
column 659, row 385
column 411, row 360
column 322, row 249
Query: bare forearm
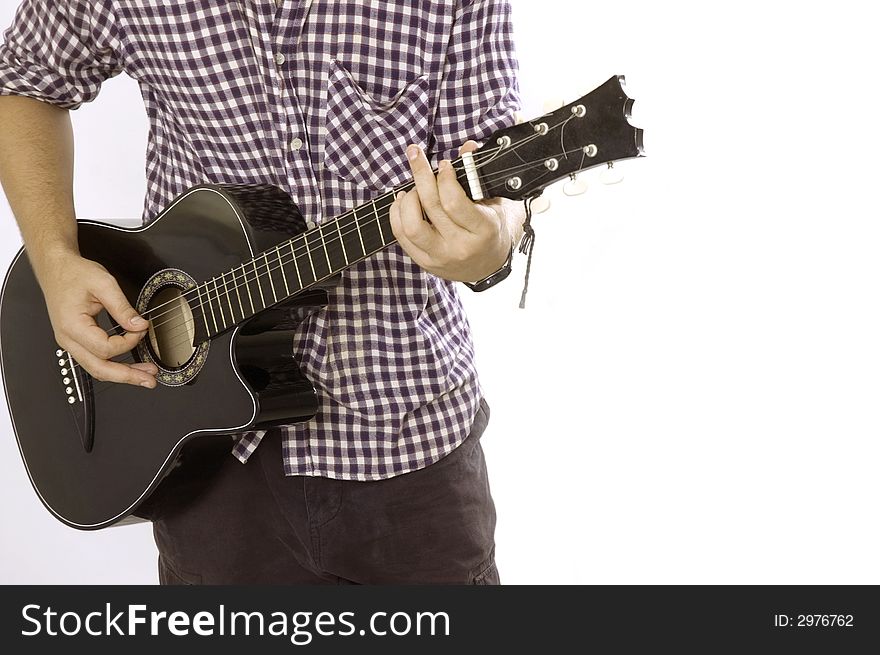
column 36, row 171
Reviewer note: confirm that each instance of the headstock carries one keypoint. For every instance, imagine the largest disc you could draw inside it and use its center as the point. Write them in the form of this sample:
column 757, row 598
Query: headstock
column 519, row 162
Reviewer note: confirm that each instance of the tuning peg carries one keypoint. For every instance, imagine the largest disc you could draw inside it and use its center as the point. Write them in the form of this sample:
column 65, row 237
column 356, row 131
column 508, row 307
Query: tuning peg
column 552, row 104
column 574, row 187
column 540, row 204
column 611, row 175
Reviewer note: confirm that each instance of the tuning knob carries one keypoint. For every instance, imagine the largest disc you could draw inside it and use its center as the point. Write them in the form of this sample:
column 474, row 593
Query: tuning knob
column 611, row 175
column 540, row 204
column 574, row 187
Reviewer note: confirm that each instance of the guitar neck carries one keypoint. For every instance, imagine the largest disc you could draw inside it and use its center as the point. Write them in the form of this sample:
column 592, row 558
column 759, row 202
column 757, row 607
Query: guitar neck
column 295, row 265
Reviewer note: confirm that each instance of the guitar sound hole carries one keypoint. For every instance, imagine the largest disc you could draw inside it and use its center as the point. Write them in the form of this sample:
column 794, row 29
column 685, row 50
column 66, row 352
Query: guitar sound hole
column 171, row 328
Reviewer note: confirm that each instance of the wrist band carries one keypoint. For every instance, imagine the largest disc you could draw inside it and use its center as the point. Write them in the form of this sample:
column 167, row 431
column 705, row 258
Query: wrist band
column 494, row 278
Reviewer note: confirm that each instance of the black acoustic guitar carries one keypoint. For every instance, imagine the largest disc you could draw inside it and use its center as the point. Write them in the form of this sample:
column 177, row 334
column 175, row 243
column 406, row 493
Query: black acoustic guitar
column 216, row 273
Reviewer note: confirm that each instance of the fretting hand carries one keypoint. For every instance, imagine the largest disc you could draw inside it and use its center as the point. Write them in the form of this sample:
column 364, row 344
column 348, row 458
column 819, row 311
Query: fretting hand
column 461, row 240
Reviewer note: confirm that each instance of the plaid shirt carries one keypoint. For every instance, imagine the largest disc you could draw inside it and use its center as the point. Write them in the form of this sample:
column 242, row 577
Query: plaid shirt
column 319, row 98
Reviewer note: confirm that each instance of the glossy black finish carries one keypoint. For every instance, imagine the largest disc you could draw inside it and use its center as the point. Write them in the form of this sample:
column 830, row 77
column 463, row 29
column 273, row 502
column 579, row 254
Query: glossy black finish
column 93, row 481
column 598, row 120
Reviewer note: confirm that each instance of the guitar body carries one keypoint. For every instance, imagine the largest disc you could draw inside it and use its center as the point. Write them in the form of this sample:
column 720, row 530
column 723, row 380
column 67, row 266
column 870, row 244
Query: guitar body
column 96, row 451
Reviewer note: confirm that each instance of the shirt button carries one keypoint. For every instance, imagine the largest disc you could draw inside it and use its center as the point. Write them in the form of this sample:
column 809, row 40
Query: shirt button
column 296, row 144
column 280, row 59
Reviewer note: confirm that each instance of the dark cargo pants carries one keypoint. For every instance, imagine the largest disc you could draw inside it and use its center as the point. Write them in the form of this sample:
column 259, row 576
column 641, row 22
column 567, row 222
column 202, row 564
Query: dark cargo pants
column 250, row 524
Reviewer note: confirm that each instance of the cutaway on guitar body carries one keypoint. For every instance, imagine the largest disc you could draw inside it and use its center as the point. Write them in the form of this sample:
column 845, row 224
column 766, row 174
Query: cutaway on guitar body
column 96, row 453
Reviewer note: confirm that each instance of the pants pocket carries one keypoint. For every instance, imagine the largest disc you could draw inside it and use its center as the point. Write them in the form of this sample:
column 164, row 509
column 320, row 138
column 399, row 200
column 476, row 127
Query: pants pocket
column 168, row 576
column 488, row 572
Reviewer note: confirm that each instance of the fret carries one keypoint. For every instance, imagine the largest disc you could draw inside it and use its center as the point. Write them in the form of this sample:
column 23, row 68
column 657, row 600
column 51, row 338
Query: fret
column 357, row 226
column 269, row 275
column 384, row 222
column 219, row 304
column 304, row 261
column 333, row 246
column 202, row 307
column 237, row 288
column 243, row 284
column 276, row 274
column 283, row 272
column 308, row 248
column 324, row 245
column 371, row 236
column 351, row 237
column 211, row 307
column 338, row 222
column 295, row 265
column 228, row 300
column 319, row 257
column 385, row 240
column 259, row 285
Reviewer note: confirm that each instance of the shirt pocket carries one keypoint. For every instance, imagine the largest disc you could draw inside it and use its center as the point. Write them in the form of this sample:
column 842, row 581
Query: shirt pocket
column 366, row 138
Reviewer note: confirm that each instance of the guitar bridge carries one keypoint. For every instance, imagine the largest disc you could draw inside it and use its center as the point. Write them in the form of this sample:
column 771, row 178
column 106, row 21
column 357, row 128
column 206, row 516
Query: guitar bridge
column 77, row 386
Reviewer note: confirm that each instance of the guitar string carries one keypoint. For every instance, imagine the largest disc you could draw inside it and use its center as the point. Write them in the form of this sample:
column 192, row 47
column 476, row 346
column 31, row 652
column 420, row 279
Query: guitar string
column 280, row 262
column 306, row 247
column 485, row 158
column 183, row 325
column 262, row 270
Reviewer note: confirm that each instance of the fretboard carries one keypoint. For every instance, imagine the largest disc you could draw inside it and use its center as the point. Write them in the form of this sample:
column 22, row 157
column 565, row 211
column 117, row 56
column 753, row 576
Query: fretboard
column 234, row 296
column 291, row 267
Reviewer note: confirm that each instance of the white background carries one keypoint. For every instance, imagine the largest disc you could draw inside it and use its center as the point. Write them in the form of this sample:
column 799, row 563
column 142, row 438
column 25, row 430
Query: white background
column 691, row 394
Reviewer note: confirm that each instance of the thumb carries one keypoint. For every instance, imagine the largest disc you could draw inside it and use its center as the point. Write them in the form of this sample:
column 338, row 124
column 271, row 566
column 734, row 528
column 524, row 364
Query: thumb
column 114, row 301
column 468, row 146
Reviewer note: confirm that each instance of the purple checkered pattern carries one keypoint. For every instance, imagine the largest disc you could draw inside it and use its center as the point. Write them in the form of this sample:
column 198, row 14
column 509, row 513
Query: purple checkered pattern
column 319, row 98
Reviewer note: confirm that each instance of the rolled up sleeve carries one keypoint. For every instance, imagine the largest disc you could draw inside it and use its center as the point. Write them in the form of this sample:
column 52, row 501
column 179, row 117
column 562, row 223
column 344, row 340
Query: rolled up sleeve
column 59, row 51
